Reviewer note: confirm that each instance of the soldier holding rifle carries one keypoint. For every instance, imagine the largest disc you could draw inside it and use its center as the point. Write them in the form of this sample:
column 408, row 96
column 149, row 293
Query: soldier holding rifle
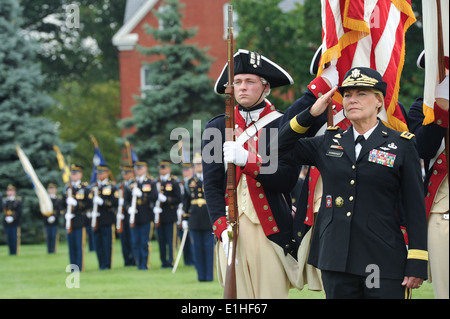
column 104, row 196
column 266, row 265
column 76, row 198
column 141, row 197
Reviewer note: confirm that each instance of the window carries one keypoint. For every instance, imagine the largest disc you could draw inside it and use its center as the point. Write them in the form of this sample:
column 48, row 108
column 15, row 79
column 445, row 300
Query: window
column 148, row 73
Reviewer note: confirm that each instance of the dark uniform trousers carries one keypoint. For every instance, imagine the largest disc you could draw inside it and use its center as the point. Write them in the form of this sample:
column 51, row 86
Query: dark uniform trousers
column 140, row 231
column 125, row 235
column 77, row 236
column 13, row 208
column 51, row 225
column 166, row 230
column 103, row 234
column 358, row 224
column 200, row 228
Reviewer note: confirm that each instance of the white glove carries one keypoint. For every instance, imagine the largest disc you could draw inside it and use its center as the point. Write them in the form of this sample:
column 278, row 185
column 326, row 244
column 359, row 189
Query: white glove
column 120, row 216
column 442, row 89
column 157, row 210
column 9, row 219
column 71, row 201
column 137, row 192
column 184, row 224
column 331, row 74
column 51, row 219
column 98, row 200
column 234, row 153
column 225, row 241
column 121, row 201
column 132, row 211
column 162, row 198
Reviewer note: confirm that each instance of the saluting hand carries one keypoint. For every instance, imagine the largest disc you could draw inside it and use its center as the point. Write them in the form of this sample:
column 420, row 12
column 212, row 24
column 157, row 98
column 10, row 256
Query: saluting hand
column 322, row 103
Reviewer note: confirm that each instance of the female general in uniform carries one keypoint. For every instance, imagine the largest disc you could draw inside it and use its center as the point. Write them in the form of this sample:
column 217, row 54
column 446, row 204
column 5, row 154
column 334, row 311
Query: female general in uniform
column 368, row 172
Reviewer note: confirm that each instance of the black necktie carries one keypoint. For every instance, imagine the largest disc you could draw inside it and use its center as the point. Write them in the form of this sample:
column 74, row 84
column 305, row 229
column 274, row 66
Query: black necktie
column 360, row 139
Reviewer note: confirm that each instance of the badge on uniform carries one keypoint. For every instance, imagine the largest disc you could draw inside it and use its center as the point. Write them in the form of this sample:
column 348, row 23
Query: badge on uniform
column 382, row 158
column 168, row 187
column 329, row 201
column 146, row 188
column 339, row 201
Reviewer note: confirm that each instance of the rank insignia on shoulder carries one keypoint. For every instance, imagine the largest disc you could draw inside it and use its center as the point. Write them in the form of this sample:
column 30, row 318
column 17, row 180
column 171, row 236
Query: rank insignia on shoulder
column 332, row 128
column 407, row 135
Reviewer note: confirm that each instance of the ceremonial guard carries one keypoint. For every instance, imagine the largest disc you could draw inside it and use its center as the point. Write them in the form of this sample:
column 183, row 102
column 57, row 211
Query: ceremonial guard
column 188, row 249
column 12, row 220
column 123, row 218
column 76, row 197
column 266, row 248
column 141, row 198
column 196, row 219
column 366, row 170
column 169, row 196
column 51, row 222
column 430, row 144
column 104, row 196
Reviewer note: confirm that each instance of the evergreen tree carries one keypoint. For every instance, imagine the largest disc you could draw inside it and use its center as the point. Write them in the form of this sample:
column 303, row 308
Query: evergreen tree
column 181, row 90
column 22, row 102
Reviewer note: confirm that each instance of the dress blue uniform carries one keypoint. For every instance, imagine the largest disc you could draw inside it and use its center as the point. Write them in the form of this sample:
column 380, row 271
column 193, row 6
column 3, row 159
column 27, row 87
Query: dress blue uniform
column 200, row 228
column 140, row 230
column 358, row 224
column 12, row 221
column 51, row 222
column 76, row 234
column 103, row 230
column 166, row 227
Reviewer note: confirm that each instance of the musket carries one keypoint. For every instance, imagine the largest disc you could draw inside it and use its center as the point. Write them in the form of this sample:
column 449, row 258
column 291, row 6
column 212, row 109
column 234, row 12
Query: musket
column 95, row 211
column 68, row 215
column 120, row 216
column 158, row 203
column 233, row 215
column 133, row 210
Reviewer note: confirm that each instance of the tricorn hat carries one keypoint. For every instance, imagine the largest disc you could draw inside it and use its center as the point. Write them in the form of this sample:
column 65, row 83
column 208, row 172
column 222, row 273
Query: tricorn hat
column 314, row 67
column 247, row 62
column 361, row 77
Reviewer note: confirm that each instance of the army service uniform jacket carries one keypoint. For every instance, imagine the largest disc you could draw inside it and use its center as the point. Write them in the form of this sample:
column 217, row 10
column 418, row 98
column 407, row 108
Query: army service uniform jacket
column 358, row 223
column 194, row 205
column 145, row 203
column 171, row 189
column 81, row 194
column 13, row 208
column 270, row 193
column 110, row 195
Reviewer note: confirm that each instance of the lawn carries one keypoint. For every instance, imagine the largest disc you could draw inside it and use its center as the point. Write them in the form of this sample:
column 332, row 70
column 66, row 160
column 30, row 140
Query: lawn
column 34, row 274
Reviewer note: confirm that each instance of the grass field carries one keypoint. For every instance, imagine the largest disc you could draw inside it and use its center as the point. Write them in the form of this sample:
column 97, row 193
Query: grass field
column 34, row 274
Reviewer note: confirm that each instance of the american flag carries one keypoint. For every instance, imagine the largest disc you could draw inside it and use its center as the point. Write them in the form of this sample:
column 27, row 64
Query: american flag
column 368, row 33
column 430, row 27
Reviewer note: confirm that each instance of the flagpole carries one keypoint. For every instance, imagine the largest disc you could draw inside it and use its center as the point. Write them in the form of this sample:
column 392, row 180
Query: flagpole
column 441, row 68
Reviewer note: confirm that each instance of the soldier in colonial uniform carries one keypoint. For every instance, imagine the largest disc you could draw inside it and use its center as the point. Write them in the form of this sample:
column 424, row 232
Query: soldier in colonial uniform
column 430, row 144
column 12, row 220
column 127, row 172
column 196, row 219
column 104, row 196
column 51, row 222
column 141, row 215
column 76, row 207
column 366, row 171
column 169, row 197
column 266, row 250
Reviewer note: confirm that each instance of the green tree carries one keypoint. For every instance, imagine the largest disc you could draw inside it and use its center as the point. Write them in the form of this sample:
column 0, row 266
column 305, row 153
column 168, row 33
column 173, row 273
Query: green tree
column 22, row 103
column 181, row 90
column 84, row 110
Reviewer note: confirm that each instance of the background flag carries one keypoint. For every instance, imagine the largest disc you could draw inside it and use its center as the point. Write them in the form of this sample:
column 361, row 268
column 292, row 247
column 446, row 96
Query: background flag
column 45, row 203
column 430, row 37
column 132, row 157
column 368, row 33
column 65, row 170
column 96, row 160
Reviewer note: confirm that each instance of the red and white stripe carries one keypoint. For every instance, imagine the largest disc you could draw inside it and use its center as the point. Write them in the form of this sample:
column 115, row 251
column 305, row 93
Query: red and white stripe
column 368, row 33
